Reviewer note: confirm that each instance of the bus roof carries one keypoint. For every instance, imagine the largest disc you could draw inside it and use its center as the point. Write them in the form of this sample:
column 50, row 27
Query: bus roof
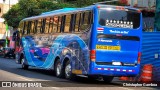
column 60, row 11
column 70, row 10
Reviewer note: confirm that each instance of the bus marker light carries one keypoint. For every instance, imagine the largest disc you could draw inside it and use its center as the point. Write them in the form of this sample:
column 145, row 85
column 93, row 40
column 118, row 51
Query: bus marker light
column 105, row 68
column 118, row 70
column 129, row 70
column 114, row 69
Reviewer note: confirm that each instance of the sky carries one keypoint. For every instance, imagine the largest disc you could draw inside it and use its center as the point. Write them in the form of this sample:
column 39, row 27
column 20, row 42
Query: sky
column 11, row 1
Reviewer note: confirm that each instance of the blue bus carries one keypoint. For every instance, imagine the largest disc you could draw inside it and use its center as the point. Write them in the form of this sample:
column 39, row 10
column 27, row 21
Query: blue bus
column 96, row 41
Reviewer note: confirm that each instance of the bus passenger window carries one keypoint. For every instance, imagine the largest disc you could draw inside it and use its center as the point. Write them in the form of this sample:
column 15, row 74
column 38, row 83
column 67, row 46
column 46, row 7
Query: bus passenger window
column 55, row 24
column 50, row 25
column 39, row 26
column 59, row 24
column 46, row 25
column 78, row 18
column 32, row 27
column 85, row 21
column 28, row 27
column 25, row 28
column 35, row 26
column 67, row 23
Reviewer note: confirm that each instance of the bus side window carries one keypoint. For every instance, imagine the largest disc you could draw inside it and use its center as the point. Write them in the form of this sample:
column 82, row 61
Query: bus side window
column 47, row 25
column 55, row 24
column 43, row 25
column 29, row 27
column 32, row 27
column 50, row 25
column 90, row 19
column 85, row 21
column 35, row 26
column 77, row 21
column 39, row 26
column 67, row 23
column 25, row 28
column 59, row 28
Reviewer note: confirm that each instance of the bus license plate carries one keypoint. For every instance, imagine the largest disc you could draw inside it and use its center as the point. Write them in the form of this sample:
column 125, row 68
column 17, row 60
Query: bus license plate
column 102, row 47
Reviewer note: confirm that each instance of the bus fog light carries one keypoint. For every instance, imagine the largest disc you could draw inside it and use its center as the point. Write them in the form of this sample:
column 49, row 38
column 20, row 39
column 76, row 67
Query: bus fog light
column 116, row 63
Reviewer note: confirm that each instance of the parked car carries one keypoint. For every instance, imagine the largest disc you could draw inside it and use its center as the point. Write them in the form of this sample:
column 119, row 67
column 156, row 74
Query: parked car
column 1, row 52
column 8, row 52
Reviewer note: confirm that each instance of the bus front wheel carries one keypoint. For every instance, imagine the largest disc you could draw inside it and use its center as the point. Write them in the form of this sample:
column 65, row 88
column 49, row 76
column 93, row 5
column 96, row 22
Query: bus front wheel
column 24, row 66
column 108, row 79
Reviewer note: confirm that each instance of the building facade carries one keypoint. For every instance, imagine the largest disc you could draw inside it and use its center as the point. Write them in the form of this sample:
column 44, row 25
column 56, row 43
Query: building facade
column 5, row 5
column 142, row 3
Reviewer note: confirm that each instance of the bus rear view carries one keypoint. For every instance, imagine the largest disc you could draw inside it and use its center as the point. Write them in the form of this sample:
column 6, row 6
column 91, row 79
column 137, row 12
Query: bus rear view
column 116, row 41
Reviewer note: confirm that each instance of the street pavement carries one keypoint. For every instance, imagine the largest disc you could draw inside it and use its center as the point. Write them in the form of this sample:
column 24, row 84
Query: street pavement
column 10, row 71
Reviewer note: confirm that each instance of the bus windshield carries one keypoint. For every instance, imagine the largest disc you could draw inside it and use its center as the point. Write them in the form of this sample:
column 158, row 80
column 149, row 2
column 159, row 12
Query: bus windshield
column 119, row 18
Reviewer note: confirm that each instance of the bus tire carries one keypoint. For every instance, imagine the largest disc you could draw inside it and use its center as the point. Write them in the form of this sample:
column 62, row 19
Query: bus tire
column 24, row 66
column 68, row 73
column 58, row 69
column 108, row 79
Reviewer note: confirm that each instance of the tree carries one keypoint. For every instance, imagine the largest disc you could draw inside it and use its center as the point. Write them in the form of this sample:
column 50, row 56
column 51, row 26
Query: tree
column 28, row 8
column 12, row 17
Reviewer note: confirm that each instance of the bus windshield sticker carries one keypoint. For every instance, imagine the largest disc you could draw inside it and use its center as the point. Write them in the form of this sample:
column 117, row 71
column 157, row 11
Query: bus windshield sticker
column 120, row 24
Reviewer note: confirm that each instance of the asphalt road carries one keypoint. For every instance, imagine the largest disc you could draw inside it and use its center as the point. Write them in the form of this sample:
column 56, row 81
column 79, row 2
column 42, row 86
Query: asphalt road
column 10, row 71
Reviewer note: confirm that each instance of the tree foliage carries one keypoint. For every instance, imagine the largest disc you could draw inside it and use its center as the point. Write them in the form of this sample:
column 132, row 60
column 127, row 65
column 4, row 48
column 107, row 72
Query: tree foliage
column 28, row 8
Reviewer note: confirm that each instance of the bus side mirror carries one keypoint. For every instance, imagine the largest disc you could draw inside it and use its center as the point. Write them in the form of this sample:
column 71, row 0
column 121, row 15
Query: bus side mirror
column 15, row 36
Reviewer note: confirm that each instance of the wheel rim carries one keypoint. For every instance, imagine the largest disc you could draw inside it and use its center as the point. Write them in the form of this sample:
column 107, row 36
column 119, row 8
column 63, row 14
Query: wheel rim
column 58, row 69
column 68, row 70
column 22, row 62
